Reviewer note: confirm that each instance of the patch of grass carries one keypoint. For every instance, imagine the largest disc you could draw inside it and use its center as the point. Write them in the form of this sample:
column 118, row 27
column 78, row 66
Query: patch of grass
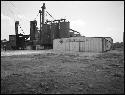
column 50, row 74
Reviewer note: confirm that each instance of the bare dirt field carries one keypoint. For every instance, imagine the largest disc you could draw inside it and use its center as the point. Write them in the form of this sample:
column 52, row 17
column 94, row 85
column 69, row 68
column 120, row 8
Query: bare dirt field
column 49, row 72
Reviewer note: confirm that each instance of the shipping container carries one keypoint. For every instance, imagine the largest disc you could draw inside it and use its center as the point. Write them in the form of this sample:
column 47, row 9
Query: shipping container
column 83, row 44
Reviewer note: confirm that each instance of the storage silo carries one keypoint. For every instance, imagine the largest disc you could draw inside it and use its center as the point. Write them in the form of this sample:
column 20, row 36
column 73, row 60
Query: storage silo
column 33, row 25
column 54, row 30
column 46, row 35
column 16, row 27
column 64, row 29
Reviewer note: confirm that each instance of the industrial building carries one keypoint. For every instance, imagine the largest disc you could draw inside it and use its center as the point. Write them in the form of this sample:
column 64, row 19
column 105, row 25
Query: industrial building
column 56, row 35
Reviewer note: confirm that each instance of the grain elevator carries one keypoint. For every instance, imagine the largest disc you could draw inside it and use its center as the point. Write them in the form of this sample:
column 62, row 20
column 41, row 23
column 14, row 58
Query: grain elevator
column 57, row 34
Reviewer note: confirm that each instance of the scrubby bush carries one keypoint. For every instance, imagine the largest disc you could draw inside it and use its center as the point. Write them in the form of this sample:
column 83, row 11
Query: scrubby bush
column 118, row 45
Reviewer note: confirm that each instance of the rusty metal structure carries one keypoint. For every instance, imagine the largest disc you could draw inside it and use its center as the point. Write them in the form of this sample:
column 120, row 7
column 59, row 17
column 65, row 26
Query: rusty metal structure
column 17, row 41
column 49, row 30
column 34, row 34
column 46, row 36
column 64, row 29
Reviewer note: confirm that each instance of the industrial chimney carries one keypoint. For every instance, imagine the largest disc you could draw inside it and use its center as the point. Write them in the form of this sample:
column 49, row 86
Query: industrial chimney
column 16, row 27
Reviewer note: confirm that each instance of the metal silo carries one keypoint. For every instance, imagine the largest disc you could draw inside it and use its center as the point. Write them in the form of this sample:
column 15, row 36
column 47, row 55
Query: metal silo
column 16, row 27
column 46, row 35
column 54, row 30
column 32, row 30
column 64, row 29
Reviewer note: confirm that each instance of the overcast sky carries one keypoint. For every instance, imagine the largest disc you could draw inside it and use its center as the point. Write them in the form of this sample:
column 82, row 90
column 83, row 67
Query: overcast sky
column 90, row 18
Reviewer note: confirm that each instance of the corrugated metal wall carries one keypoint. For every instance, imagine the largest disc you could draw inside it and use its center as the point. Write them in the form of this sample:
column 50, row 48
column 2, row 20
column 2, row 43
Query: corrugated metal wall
column 82, row 44
column 91, row 45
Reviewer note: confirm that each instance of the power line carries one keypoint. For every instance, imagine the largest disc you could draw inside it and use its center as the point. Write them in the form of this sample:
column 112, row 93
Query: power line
column 12, row 4
column 2, row 3
column 14, row 7
column 17, row 11
column 9, row 10
column 20, row 19
column 14, row 18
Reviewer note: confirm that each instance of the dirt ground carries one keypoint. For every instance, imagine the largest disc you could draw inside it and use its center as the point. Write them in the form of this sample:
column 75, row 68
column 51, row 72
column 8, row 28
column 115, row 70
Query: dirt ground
column 49, row 72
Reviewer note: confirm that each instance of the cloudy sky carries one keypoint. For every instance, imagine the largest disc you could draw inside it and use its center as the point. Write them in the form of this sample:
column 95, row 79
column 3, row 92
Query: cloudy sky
column 90, row 18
